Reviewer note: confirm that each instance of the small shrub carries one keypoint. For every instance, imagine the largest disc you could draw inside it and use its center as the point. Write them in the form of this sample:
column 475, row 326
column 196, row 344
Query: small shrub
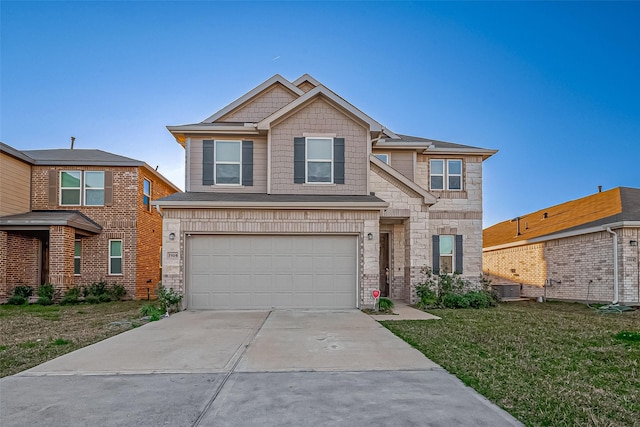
column 17, row 300
column 96, row 288
column 104, row 298
column 151, row 311
column 480, row 299
column 168, row 298
column 455, row 301
column 72, row 296
column 628, row 336
column 385, row 304
column 44, row 300
column 118, row 292
column 92, row 299
column 46, row 294
column 23, row 291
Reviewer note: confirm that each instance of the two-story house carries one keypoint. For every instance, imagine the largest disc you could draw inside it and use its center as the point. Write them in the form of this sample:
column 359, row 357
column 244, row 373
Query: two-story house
column 297, row 199
column 71, row 217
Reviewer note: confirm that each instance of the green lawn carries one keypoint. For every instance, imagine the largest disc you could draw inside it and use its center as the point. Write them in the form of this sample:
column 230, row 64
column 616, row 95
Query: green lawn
column 33, row 334
column 551, row 364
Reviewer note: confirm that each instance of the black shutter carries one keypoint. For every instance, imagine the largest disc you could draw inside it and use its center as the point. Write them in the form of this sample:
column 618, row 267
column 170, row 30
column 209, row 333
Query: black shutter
column 53, row 188
column 436, row 254
column 108, row 188
column 247, row 163
column 458, row 254
column 298, row 160
column 207, row 162
column 338, row 160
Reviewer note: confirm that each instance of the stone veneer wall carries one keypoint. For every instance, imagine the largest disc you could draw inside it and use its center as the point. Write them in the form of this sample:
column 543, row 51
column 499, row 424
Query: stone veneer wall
column 232, row 221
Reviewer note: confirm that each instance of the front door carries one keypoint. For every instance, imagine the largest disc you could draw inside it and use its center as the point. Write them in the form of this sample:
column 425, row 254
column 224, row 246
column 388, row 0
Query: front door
column 44, row 261
column 384, row 264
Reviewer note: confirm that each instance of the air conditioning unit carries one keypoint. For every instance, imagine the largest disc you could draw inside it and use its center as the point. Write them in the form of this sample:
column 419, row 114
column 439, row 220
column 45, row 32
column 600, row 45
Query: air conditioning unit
column 507, row 290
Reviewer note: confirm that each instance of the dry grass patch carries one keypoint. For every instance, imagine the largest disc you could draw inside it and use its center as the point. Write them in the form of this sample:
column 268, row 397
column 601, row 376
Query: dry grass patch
column 547, row 364
column 30, row 335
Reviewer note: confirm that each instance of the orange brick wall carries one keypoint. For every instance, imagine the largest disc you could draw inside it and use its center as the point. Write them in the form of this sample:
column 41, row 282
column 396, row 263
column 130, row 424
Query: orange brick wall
column 149, row 231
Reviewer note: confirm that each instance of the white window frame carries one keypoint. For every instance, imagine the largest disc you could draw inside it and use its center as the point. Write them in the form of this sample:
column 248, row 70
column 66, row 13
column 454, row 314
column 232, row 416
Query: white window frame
column 216, row 163
column 307, row 160
column 77, row 257
column 386, row 155
column 121, row 257
column 79, row 189
column 446, row 174
column 85, row 188
column 453, row 252
column 147, row 195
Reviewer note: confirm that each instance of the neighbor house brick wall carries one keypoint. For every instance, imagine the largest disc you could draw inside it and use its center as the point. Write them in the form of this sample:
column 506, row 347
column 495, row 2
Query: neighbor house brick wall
column 578, row 268
column 118, row 221
column 225, row 221
column 149, row 232
column 19, row 262
column 262, row 106
column 321, row 118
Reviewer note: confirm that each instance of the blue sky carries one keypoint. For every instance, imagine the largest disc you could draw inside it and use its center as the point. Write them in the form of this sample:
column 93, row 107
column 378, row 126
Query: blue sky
column 553, row 85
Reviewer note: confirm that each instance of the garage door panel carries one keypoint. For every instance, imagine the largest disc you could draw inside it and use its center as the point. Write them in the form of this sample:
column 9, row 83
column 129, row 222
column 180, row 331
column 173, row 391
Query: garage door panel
column 263, row 271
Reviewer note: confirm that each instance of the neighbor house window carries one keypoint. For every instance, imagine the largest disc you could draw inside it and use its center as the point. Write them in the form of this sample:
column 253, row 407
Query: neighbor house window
column 77, row 189
column 383, row 157
column 93, row 188
column 77, row 251
column 446, row 254
column 228, row 162
column 146, row 194
column 445, row 174
column 70, row 188
column 319, row 160
column 115, row 257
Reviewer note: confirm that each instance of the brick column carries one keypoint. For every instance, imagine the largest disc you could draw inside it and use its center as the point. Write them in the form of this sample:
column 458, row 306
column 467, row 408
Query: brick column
column 61, row 243
column 417, row 250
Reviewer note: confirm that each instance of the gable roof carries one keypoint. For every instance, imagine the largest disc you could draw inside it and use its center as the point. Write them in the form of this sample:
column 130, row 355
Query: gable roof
column 7, row 149
column 621, row 204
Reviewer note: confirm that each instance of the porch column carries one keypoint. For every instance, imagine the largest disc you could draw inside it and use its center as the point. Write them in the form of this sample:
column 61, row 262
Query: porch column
column 417, row 244
column 371, row 267
column 3, row 264
column 61, row 245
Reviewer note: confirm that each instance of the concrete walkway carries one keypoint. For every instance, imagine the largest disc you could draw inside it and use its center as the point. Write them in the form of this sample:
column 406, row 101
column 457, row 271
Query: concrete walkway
column 298, row 368
column 403, row 311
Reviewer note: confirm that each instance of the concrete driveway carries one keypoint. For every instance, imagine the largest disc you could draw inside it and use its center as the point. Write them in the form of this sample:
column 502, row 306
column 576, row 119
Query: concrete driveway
column 297, row 368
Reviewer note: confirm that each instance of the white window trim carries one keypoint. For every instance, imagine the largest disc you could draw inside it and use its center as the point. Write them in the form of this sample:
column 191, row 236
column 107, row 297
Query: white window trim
column 70, row 188
column 121, row 257
column 388, row 155
column 148, row 207
column 216, row 163
column 85, row 188
column 445, row 175
column 77, row 257
column 307, row 160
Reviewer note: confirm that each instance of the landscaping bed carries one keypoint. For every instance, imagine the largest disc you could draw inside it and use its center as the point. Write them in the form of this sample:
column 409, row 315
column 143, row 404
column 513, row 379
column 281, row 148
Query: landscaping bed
column 547, row 364
column 33, row 334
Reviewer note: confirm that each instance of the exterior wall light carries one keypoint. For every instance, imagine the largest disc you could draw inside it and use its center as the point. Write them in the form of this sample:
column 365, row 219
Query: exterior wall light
column 370, row 236
column 633, row 242
column 172, row 236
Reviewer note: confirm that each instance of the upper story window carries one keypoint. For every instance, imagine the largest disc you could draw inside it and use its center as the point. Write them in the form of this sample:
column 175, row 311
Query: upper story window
column 146, row 193
column 319, row 160
column 77, row 189
column 445, row 174
column 383, row 157
column 227, row 162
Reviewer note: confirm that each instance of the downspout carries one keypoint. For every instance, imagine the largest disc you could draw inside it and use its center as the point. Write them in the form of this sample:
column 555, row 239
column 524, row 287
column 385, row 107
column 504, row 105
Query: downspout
column 615, row 266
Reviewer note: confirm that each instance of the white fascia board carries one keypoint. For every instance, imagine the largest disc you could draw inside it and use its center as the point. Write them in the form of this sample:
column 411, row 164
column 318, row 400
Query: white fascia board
column 427, row 197
column 563, row 235
column 374, row 126
column 211, row 129
column 486, row 153
column 253, row 92
column 307, row 78
column 363, row 206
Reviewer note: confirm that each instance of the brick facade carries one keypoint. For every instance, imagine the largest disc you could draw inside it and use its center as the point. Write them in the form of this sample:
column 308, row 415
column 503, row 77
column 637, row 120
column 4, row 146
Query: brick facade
column 578, row 268
column 19, row 262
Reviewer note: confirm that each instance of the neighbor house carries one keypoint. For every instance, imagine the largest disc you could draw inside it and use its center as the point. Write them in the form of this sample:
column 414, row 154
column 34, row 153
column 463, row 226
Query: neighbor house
column 582, row 250
column 71, row 217
column 297, row 199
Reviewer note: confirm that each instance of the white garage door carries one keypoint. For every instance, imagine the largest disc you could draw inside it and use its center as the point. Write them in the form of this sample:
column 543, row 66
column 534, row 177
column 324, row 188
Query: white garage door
column 264, row 272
